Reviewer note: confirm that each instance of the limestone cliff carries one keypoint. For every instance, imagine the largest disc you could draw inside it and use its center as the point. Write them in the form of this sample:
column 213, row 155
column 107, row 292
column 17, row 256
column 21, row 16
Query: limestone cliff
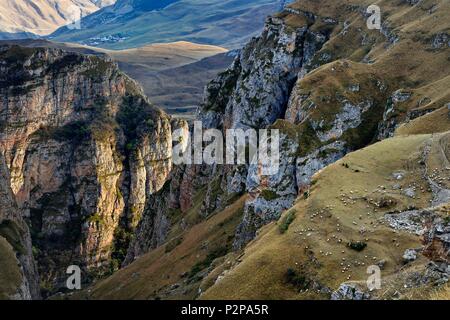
column 329, row 84
column 84, row 150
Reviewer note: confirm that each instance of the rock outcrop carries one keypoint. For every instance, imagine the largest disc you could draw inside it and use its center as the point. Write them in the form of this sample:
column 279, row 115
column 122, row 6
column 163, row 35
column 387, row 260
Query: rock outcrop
column 161, row 206
column 349, row 292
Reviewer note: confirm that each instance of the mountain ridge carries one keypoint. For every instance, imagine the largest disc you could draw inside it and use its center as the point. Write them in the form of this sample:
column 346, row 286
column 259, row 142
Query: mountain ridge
column 364, row 172
column 358, row 172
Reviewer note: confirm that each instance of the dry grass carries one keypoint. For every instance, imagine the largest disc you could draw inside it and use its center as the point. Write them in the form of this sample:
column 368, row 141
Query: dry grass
column 410, row 64
column 161, row 56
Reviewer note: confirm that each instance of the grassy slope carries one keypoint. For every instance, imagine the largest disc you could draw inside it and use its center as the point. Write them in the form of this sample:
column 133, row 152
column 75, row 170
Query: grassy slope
column 402, row 64
column 161, row 56
column 314, row 232
column 154, row 57
column 303, row 248
column 392, row 67
column 224, row 23
column 180, row 90
column 433, row 122
column 441, row 294
column 173, row 75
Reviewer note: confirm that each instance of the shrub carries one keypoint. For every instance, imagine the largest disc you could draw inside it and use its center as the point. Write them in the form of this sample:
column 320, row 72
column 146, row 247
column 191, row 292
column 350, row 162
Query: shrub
column 150, row 123
column 95, row 218
column 65, row 63
column 286, row 221
column 122, row 240
column 296, row 279
column 98, row 69
column 75, row 131
column 447, row 220
column 387, row 202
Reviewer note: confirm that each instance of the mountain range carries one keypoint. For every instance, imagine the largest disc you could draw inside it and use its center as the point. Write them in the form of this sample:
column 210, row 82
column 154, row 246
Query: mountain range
column 21, row 18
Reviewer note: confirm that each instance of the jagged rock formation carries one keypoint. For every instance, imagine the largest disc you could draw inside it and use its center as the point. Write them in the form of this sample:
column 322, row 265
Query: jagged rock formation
column 156, row 220
column 330, row 86
column 85, row 150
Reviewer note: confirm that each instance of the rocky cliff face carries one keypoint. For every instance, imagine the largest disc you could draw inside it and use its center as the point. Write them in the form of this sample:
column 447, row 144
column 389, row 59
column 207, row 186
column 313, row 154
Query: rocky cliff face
column 354, row 86
column 256, row 88
column 85, row 151
column 254, row 93
column 266, row 84
column 158, row 210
